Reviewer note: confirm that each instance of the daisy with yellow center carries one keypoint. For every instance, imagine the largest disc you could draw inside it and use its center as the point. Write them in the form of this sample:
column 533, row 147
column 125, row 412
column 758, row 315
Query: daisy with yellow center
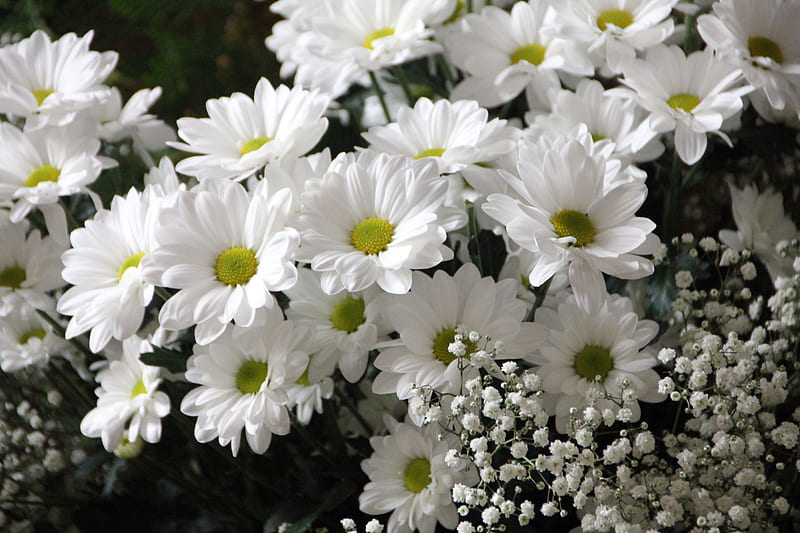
column 25, row 340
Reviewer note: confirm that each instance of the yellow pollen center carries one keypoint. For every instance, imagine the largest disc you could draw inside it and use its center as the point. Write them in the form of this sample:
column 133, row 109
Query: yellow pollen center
column 372, row 235
column 594, row 361
column 41, row 95
column 618, row 17
column 430, row 152
column 443, row 341
column 377, row 34
column 683, row 101
column 571, row 223
column 532, row 53
column 417, row 475
column 12, row 277
column 138, row 389
column 37, row 333
column 597, row 138
column 44, row 173
column 132, row 261
column 763, row 47
column 254, row 144
column 348, row 314
column 250, row 376
column 235, row 266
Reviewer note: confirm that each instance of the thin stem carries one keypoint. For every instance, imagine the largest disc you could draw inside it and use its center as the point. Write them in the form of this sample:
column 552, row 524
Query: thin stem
column 448, row 74
column 71, row 222
column 401, row 77
column 350, row 406
column 472, row 230
column 469, row 6
column 163, row 293
column 671, row 199
column 541, row 294
column 62, row 333
column 380, row 94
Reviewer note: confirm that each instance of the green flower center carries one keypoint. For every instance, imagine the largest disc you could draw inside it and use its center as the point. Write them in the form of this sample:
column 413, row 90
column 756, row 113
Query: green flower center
column 417, row 475
column 571, row 223
column 44, row 173
column 372, row 235
column 348, row 314
column 250, row 376
column 127, row 449
column 683, row 101
column 254, row 144
column 41, row 95
column 138, row 389
column 763, row 47
column 532, row 53
column 461, row 6
column 593, row 361
column 235, row 266
column 377, row 34
column 443, row 340
column 430, row 152
column 34, row 333
column 618, row 17
column 132, row 261
column 597, row 137
column 13, row 277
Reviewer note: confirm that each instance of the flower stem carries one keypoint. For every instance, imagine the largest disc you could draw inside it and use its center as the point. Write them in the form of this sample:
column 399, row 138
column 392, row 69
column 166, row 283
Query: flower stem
column 380, row 94
column 58, row 328
column 541, row 294
column 350, row 406
column 472, row 234
column 401, row 77
column 671, row 199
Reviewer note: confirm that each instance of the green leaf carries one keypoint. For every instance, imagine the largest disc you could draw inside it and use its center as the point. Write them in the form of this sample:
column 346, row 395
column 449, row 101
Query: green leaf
column 163, row 357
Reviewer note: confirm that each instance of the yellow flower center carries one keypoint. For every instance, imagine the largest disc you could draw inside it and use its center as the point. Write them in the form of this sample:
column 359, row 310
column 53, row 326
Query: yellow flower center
column 683, row 101
column 12, row 277
column 41, row 95
column 417, row 475
column 235, row 266
column 250, row 376
column 34, row 333
column 127, row 449
column 348, row 314
column 532, row 53
column 372, row 235
column 44, row 173
column 763, row 47
column 597, row 138
column 443, row 341
column 254, row 144
column 618, row 17
column 430, row 152
column 132, row 261
column 461, row 6
column 594, row 361
column 377, row 34
column 571, row 223
column 138, row 389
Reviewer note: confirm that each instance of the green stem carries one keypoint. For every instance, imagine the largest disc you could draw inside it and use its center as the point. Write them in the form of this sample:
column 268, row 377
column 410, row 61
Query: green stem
column 401, row 77
column 469, row 6
column 62, row 333
column 350, row 406
column 380, row 94
column 448, row 74
column 472, row 234
column 71, row 222
column 541, row 294
column 163, row 293
column 691, row 40
column 671, row 199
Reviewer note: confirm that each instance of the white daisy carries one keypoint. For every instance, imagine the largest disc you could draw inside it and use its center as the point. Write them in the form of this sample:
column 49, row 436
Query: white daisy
column 760, row 37
column 372, row 409
column 761, row 224
column 409, row 478
column 242, row 134
column 109, row 294
column 25, row 340
column 344, row 327
column 29, row 268
column 564, row 209
column 691, row 95
column 129, row 405
column 501, row 52
column 306, row 394
column 595, row 347
column 614, row 30
column 427, row 319
column 294, row 173
column 47, row 82
column 243, row 378
column 372, row 219
column 225, row 251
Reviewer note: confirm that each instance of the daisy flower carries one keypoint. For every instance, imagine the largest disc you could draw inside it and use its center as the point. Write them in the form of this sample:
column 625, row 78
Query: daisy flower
column 29, row 268
column 761, row 224
column 109, row 294
column 129, row 404
column 595, row 348
column 25, row 340
column 225, row 251
column 501, row 52
column 344, row 326
column 244, row 134
column 372, row 219
column 614, row 30
column 760, row 37
column 47, row 82
column 563, row 209
column 306, row 394
column 409, row 478
column 427, row 319
column 692, row 95
column 242, row 378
